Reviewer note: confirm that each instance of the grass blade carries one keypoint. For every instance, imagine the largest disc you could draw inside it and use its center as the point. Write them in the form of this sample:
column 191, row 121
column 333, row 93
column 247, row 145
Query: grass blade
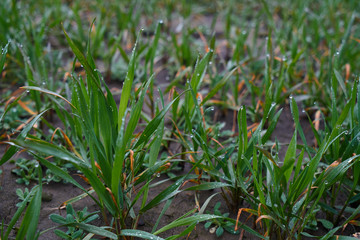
column 139, row 234
column 12, row 150
column 126, row 90
column 187, row 221
column 3, row 57
column 29, row 224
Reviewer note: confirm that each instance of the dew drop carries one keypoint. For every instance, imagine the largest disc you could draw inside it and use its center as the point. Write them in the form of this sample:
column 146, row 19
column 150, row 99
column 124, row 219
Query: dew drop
column 161, row 21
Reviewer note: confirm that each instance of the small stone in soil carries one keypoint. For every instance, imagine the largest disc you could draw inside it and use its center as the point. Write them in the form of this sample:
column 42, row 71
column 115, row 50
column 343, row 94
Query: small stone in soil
column 141, row 222
column 46, row 197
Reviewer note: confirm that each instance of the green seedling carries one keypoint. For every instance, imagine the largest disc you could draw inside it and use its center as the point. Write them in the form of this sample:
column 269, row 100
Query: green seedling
column 25, row 170
column 22, row 195
column 221, row 224
column 72, row 218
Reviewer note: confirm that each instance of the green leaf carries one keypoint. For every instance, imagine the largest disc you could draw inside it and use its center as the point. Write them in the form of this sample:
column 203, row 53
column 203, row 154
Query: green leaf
column 50, row 150
column 272, row 126
column 341, row 82
column 59, row 172
column 152, row 50
column 94, row 229
column 187, row 221
column 58, row 219
column 327, row 224
column 307, row 235
column 123, row 140
column 340, row 237
column 11, row 105
column 207, row 225
column 289, row 159
column 3, row 57
column 89, row 70
column 19, row 212
column 153, row 125
column 203, row 207
column 126, row 90
column 219, row 231
column 330, row 233
column 169, row 192
column 218, row 86
column 186, row 232
column 48, row 92
column 139, row 234
column 333, row 174
column 196, row 79
column 61, row 234
column 28, row 227
column 165, row 208
column 208, row 186
column 13, row 149
column 295, row 113
column 346, row 36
